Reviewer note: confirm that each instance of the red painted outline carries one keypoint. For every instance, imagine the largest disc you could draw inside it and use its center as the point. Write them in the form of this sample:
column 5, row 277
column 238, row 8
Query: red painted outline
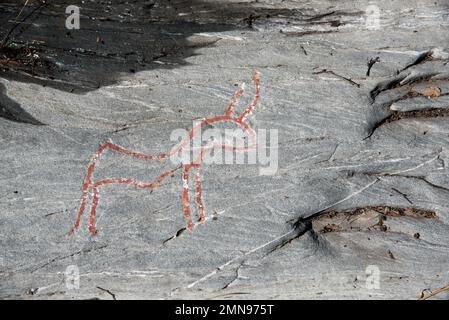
column 89, row 184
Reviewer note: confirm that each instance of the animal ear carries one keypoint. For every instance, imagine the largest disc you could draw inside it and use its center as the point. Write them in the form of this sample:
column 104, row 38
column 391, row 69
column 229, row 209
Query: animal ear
column 256, row 99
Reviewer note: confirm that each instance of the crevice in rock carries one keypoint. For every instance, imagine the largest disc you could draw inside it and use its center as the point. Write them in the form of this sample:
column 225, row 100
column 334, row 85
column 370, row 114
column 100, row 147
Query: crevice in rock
column 300, row 227
column 83, row 251
column 236, row 277
column 108, row 292
column 305, row 33
column 425, row 56
column 422, row 178
column 409, row 84
column 176, row 235
column 398, row 115
column 370, row 218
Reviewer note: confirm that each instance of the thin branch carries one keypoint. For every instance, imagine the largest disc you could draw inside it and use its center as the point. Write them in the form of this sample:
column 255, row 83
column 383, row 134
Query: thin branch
column 433, row 293
column 370, row 64
column 18, row 23
column 402, row 194
column 339, row 76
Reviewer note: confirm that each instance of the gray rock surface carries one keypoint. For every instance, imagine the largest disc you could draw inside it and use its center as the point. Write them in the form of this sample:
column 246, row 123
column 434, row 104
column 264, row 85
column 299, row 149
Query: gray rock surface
column 362, row 181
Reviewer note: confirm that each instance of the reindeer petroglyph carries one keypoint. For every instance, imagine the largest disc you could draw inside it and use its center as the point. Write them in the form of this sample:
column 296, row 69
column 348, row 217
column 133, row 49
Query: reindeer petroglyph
column 91, row 186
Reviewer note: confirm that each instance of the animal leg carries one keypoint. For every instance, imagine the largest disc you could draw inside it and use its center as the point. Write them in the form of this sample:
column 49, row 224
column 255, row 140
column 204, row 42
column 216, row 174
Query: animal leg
column 185, row 197
column 84, row 198
column 199, row 197
column 93, row 209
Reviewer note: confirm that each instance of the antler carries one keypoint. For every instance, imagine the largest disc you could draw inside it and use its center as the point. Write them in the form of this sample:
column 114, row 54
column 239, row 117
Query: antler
column 239, row 92
column 236, row 95
column 250, row 108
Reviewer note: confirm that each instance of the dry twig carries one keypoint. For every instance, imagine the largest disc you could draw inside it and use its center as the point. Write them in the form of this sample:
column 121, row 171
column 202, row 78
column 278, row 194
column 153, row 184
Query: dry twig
column 432, row 293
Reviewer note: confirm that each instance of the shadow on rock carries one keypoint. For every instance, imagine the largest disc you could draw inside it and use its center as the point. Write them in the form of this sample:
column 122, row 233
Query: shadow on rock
column 113, row 40
column 11, row 110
